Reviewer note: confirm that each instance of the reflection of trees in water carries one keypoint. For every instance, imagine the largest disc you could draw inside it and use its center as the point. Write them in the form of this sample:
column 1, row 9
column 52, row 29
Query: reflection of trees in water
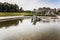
column 35, row 20
column 21, row 20
column 9, row 23
column 49, row 21
column 44, row 21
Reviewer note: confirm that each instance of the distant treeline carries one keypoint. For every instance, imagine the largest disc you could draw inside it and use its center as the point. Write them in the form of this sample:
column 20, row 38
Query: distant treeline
column 7, row 7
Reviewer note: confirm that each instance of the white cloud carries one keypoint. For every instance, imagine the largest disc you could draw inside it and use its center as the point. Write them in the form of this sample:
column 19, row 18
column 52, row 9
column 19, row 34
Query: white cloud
column 31, row 4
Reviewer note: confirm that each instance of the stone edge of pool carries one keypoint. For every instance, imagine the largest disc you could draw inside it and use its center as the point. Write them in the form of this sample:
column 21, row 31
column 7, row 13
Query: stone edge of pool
column 7, row 18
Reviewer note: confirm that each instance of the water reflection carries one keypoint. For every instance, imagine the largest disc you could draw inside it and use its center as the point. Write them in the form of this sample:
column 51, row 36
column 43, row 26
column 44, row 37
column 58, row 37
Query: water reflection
column 10, row 23
column 45, row 21
column 21, row 20
column 25, row 30
column 35, row 20
column 16, row 22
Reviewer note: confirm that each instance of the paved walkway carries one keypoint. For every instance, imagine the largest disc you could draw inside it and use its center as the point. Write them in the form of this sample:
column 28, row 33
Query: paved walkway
column 7, row 17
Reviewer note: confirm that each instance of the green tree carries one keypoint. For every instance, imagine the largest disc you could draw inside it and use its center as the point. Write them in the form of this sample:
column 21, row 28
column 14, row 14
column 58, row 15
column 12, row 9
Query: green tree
column 21, row 9
column 6, row 7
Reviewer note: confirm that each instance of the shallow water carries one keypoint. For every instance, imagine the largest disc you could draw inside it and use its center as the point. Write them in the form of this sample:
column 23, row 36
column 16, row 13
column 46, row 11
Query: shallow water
column 27, row 30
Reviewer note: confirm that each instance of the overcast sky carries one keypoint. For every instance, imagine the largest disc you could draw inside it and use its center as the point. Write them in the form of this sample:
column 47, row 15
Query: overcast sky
column 31, row 4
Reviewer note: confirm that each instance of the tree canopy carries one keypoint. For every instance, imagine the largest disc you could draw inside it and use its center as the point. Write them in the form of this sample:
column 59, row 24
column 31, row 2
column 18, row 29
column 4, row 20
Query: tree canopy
column 7, row 7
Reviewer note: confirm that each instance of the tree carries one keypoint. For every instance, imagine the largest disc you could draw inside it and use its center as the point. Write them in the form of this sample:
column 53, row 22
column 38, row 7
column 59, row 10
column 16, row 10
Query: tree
column 21, row 9
column 58, row 12
column 6, row 7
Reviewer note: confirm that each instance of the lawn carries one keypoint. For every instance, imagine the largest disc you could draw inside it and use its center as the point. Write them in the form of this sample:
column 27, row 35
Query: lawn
column 20, row 14
column 14, row 14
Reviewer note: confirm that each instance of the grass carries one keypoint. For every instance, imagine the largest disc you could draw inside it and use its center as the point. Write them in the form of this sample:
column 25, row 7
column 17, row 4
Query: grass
column 20, row 14
column 14, row 14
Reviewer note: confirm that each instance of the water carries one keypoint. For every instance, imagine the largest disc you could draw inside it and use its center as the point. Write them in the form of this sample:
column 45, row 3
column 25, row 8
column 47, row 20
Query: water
column 26, row 29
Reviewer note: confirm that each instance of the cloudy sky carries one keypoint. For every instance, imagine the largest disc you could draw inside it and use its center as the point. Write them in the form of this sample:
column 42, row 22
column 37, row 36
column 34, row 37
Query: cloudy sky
column 31, row 4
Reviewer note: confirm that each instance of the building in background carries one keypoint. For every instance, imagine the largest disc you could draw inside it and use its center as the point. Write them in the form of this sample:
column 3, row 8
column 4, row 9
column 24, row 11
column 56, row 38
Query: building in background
column 46, row 11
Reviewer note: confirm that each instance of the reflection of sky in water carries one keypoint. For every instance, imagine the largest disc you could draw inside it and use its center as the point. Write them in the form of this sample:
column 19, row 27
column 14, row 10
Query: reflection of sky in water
column 26, row 30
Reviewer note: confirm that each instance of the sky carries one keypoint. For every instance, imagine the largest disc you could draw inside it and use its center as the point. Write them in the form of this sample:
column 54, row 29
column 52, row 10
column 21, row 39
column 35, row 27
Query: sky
column 31, row 4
